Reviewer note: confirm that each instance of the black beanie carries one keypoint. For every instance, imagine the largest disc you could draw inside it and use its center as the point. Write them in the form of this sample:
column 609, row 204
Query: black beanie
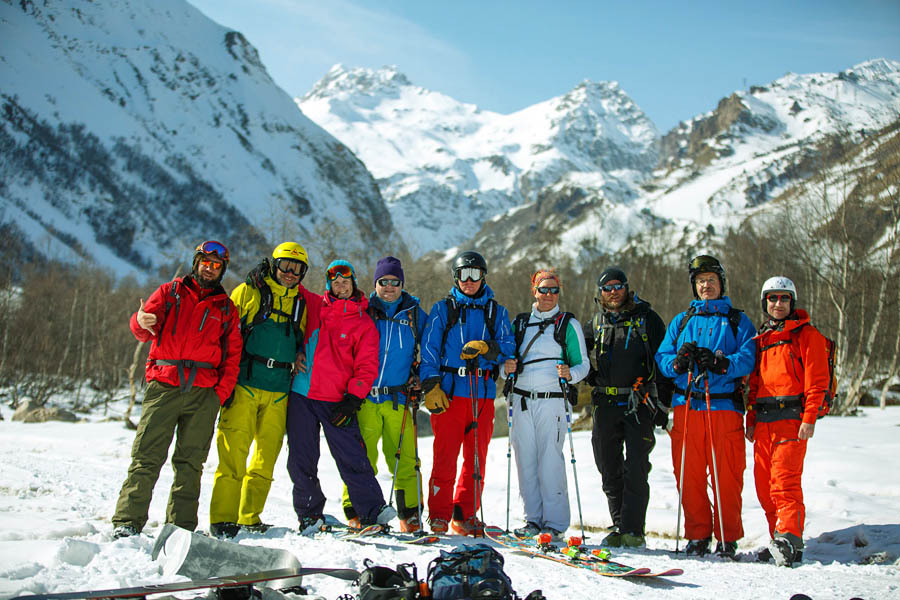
column 610, row 274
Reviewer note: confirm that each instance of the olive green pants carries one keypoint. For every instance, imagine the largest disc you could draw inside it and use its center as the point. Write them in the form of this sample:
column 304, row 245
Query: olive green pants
column 189, row 416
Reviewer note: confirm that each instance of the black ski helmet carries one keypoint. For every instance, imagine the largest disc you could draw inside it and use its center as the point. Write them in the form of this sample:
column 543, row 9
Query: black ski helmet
column 468, row 258
column 706, row 264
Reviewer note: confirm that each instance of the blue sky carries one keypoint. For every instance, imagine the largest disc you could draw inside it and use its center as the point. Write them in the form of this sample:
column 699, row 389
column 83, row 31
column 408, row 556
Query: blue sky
column 676, row 59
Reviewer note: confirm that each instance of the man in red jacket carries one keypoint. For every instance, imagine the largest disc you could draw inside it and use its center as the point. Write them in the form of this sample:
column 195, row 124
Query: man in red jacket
column 191, row 370
column 787, row 390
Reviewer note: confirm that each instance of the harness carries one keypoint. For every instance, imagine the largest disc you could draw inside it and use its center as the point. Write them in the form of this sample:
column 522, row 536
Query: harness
column 457, row 312
column 186, row 383
column 560, row 324
column 412, row 322
column 292, row 325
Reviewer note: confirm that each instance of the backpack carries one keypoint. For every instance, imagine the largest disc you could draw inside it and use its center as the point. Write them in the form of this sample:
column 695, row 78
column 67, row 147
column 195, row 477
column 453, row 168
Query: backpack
column 469, row 571
column 640, row 323
column 831, row 352
column 383, row 583
column 734, row 319
column 560, row 323
column 453, row 311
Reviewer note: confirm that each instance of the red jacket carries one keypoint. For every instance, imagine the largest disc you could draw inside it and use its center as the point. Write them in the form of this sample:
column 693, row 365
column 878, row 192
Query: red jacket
column 798, row 368
column 196, row 324
column 341, row 351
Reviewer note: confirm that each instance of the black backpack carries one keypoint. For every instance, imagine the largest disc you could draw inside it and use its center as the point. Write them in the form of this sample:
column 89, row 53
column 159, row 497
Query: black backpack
column 560, row 324
column 453, row 311
column 383, row 583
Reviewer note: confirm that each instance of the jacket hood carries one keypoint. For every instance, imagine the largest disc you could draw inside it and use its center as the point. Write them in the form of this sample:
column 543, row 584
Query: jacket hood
column 486, row 294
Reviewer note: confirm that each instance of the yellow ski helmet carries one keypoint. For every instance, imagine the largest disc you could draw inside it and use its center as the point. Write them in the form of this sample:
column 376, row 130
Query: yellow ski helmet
column 292, row 251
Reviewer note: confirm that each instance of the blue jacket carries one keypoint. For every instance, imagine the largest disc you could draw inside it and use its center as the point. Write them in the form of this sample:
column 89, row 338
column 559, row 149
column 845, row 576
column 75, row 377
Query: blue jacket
column 709, row 329
column 470, row 326
column 396, row 350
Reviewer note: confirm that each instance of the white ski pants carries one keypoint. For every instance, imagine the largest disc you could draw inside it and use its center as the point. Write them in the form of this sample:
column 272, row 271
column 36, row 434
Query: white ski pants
column 537, row 436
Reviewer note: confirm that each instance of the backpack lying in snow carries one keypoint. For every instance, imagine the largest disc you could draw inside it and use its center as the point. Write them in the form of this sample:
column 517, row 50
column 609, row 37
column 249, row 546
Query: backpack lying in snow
column 383, row 583
column 469, row 571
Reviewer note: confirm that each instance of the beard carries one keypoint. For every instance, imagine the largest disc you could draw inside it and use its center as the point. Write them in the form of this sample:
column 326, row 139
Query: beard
column 207, row 284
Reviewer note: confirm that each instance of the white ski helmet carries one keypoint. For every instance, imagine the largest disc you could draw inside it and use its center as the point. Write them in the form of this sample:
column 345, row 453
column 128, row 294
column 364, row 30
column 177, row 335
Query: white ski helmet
column 779, row 283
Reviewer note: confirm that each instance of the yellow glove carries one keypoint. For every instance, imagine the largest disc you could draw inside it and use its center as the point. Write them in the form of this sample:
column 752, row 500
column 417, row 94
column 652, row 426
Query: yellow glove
column 473, row 349
column 435, row 400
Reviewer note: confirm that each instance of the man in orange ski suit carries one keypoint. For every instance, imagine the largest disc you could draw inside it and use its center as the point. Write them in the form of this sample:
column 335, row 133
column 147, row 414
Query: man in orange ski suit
column 787, row 391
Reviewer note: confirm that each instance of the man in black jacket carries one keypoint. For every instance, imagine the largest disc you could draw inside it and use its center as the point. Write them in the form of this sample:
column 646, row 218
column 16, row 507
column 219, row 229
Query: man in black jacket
column 628, row 398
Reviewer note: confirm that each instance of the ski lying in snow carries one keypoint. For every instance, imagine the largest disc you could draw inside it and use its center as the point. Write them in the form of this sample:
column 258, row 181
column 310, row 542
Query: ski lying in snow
column 345, row 532
column 235, row 584
column 581, row 558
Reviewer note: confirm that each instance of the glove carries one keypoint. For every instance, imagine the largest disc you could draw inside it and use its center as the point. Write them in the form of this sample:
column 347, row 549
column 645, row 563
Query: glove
column 470, row 350
column 684, row 357
column 435, row 400
column 720, row 366
column 705, row 359
column 343, row 412
column 661, row 416
column 228, row 401
column 257, row 276
column 572, row 395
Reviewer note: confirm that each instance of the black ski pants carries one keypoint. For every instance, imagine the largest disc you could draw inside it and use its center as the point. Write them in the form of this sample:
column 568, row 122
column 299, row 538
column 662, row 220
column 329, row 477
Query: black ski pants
column 624, row 475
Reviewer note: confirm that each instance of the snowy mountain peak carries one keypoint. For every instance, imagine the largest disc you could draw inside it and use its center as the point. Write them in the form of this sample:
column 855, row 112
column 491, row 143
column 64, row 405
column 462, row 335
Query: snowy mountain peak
column 340, row 80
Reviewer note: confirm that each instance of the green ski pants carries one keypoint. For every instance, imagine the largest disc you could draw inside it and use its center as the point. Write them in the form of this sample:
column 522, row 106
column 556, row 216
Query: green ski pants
column 382, row 421
column 190, row 417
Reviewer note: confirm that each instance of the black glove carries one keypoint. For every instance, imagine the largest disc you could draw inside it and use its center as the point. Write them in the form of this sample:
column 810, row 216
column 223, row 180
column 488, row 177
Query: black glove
column 684, row 357
column 572, row 395
column 661, row 417
column 344, row 411
column 705, row 359
column 257, row 276
column 720, row 365
column 228, row 401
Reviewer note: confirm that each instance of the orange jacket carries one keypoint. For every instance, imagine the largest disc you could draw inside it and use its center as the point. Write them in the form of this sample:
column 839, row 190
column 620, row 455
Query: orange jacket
column 798, row 369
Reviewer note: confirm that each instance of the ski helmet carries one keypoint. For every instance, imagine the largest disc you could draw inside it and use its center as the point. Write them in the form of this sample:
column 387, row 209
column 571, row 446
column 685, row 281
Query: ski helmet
column 706, row 264
column 469, row 259
column 779, row 283
column 292, row 251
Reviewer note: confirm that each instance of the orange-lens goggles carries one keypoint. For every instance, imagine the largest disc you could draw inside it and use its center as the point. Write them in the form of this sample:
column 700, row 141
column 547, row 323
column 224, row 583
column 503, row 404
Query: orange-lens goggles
column 342, row 270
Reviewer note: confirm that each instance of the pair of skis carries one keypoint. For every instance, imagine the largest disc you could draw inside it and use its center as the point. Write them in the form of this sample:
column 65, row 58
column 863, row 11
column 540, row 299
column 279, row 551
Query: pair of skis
column 574, row 554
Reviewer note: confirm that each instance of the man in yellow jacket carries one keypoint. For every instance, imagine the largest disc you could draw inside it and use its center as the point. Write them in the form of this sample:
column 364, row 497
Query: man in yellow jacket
column 272, row 310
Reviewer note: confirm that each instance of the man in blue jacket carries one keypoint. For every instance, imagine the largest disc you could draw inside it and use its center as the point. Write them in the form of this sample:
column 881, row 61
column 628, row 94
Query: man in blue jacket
column 707, row 350
column 466, row 338
column 387, row 414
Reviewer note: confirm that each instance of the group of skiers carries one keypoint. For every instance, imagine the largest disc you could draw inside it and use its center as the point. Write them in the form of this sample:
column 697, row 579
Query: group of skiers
column 277, row 358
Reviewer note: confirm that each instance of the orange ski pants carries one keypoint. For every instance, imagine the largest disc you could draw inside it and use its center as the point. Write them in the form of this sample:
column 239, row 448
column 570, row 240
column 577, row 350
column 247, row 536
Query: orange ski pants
column 777, row 469
column 704, row 430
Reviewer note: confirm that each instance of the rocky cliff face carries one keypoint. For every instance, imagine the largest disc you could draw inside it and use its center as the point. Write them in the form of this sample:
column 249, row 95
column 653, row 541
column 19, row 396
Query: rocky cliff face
column 131, row 130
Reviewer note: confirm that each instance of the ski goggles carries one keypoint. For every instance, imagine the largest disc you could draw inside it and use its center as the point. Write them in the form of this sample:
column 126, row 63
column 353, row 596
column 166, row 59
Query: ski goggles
column 216, row 248
column 469, row 274
column 345, row 271
column 209, row 263
column 389, row 282
column 705, row 263
column 613, row 287
column 773, row 298
column 286, row 265
column 548, row 290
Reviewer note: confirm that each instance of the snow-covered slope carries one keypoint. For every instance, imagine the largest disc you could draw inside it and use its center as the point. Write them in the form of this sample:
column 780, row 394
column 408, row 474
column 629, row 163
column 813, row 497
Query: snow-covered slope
column 132, row 129
column 587, row 173
column 60, row 482
column 445, row 167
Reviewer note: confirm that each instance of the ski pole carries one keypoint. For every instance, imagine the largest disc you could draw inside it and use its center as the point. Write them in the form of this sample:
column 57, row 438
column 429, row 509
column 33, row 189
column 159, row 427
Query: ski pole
column 564, row 386
column 687, row 406
column 397, row 456
column 415, row 410
column 508, row 454
column 712, row 445
column 476, row 475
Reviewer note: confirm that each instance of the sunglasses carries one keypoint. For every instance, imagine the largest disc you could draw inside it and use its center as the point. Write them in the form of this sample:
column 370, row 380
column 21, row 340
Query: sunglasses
column 548, row 290
column 286, row 265
column 344, row 271
column 773, row 298
column 211, row 264
column 612, row 287
column 213, row 247
column 469, row 274
column 389, row 282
